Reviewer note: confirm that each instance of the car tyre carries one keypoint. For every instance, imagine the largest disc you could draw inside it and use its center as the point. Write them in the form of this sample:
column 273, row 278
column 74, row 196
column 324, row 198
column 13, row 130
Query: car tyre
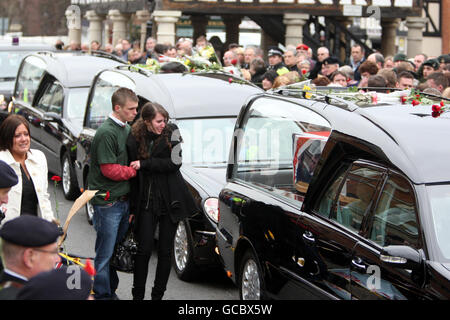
column 183, row 258
column 250, row 281
column 69, row 179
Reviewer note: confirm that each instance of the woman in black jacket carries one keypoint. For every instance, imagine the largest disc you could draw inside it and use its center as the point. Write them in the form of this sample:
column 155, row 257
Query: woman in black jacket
column 158, row 194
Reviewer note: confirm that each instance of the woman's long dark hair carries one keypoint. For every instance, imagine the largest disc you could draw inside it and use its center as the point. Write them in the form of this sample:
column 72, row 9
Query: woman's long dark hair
column 139, row 129
column 8, row 130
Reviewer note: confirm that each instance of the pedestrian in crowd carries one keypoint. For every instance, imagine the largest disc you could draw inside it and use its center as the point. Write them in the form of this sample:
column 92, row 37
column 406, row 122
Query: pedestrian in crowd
column 135, row 56
column 159, row 194
column 443, row 60
column 8, row 179
column 418, row 60
column 230, row 58
column 304, row 50
column 304, row 66
column 65, row 283
column 118, row 50
column 126, row 46
column 150, row 44
column 376, row 81
column 74, row 46
column 184, row 47
column 321, row 81
column 366, row 70
column 377, row 58
column 109, row 48
column 30, row 195
column 405, row 80
column 290, row 59
column 390, row 76
column 437, row 80
column 95, row 45
column 338, row 78
column 29, row 247
column 428, row 67
column 389, row 62
column 348, row 71
column 110, row 174
column 268, row 79
column 329, row 65
column 322, row 54
column 257, row 70
column 251, row 53
column 275, row 57
column 398, row 58
column 281, row 81
column 357, row 58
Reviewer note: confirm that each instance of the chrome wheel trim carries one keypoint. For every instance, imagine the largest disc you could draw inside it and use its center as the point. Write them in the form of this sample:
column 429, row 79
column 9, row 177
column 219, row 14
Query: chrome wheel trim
column 250, row 285
column 66, row 176
column 181, row 246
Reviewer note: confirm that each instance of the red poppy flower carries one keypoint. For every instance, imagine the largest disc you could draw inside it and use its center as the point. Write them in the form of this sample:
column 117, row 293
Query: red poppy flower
column 415, row 102
column 234, row 61
column 56, row 178
column 230, row 80
column 89, row 268
column 436, row 108
column 231, row 71
column 442, row 103
column 107, row 196
column 304, row 71
column 403, row 99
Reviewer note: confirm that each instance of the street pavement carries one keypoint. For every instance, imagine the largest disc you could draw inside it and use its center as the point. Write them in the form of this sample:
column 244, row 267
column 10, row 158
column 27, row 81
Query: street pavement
column 213, row 285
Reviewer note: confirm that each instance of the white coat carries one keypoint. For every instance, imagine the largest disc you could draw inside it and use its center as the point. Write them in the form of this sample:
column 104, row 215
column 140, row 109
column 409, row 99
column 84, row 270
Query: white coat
column 36, row 164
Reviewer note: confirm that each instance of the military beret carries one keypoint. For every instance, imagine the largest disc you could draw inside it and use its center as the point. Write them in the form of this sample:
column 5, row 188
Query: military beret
column 331, row 60
column 8, row 178
column 30, row 231
column 274, row 51
column 65, row 283
column 400, row 57
column 432, row 63
column 302, row 47
column 444, row 58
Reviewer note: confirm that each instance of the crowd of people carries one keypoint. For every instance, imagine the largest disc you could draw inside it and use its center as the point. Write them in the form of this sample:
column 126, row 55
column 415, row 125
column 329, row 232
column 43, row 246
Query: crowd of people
column 296, row 63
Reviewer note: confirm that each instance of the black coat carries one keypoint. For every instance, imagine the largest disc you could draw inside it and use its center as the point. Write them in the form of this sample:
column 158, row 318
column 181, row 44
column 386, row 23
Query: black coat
column 165, row 175
column 10, row 286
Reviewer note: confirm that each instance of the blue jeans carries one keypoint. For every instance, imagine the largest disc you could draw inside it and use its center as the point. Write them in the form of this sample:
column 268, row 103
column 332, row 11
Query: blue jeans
column 111, row 223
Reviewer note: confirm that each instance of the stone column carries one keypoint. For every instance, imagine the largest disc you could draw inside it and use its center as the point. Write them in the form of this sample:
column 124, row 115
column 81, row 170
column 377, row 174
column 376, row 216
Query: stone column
column 73, row 16
column 95, row 26
column 294, row 27
column 165, row 23
column 142, row 17
column 388, row 36
column 232, row 23
column 415, row 27
column 119, row 28
column 266, row 42
column 199, row 23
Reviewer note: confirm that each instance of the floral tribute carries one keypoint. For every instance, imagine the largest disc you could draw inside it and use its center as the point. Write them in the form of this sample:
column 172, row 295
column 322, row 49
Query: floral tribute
column 437, row 110
column 205, row 59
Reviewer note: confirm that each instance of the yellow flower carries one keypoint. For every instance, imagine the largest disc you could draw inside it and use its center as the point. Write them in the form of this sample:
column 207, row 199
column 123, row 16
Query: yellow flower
column 308, row 94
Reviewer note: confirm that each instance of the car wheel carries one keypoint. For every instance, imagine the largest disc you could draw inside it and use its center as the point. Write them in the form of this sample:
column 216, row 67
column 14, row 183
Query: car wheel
column 249, row 278
column 183, row 260
column 69, row 179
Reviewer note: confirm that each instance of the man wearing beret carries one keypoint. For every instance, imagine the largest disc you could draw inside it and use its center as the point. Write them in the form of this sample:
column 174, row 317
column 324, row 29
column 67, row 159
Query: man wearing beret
column 430, row 66
column 275, row 57
column 329, row 66
column 8, row 179
column 29, row 247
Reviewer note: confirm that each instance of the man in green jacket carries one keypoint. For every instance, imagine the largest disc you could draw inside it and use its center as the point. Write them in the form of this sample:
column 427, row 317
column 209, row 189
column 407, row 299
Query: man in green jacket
column 109, row 173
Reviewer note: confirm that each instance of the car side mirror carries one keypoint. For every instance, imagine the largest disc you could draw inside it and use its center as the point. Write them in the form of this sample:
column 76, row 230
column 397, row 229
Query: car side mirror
column 401, row 257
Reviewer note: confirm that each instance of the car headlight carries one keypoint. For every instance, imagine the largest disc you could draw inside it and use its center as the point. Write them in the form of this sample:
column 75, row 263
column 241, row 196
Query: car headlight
column 211, row 207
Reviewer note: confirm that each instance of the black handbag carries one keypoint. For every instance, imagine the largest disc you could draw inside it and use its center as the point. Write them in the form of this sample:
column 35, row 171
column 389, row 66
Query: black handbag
column 124, row 253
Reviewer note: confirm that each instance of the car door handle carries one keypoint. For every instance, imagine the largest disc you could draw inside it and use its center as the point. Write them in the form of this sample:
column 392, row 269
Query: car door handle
column 309, row 237
column 358, row 264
